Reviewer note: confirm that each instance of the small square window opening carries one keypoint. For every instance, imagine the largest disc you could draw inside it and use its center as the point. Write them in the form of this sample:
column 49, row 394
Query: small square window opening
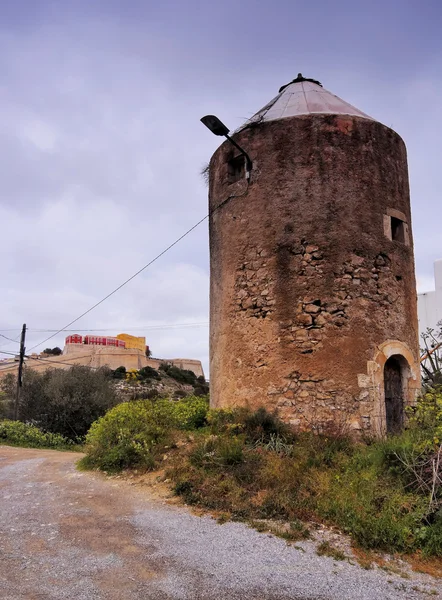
column 236, row 169
column 397, row 230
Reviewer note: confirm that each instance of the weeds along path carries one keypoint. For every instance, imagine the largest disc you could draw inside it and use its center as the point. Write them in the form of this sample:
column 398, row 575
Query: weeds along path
column 68, row 535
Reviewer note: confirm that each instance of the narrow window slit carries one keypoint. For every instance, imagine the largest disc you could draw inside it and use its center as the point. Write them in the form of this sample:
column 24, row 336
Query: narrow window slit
column 236, row 168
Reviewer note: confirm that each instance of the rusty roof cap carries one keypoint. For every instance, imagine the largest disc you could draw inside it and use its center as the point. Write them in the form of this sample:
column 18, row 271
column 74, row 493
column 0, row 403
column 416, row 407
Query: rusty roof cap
column 298, row 80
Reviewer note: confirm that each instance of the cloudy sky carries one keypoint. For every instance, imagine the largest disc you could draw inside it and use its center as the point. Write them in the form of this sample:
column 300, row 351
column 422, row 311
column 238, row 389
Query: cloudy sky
column 101, row 146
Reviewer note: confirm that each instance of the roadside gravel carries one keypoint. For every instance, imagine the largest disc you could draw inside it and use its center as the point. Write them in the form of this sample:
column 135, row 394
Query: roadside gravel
column 67, row 535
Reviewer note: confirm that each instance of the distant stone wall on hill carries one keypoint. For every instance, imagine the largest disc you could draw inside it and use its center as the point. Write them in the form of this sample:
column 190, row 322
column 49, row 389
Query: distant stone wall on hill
column 100, row 356
column 182, row 363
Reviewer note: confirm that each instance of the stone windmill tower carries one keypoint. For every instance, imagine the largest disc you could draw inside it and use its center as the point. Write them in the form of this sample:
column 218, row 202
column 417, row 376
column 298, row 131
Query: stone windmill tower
column 313, row 297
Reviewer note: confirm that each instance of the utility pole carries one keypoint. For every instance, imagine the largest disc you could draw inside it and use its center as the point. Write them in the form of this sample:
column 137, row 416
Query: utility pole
column 20, row 371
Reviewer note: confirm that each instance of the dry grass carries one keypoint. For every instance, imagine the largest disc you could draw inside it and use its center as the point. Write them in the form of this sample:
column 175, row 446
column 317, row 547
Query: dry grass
column 429, row 566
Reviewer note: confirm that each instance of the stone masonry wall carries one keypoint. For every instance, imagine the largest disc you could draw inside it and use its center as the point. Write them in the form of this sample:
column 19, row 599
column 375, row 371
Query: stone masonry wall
column 302, row 396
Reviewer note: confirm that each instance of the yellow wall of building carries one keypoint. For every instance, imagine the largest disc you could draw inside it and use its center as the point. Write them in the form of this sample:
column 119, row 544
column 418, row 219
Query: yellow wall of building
column 132, row 342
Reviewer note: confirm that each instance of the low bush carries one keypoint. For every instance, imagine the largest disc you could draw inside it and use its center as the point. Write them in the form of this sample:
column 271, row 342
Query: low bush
column 201, row 387
column 216, row 451
column 16, row 433
column 129, row 435
column 225, row 419
column 133, row 434
column 261, row 425
column 53, row 351
column 119, row 373
column 191, row 412
column 180, row 375
column 427, row 415
column 148, row 373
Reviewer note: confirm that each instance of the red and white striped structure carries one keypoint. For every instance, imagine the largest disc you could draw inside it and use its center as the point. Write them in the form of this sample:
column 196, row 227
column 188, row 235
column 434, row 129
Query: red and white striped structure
column 95, row 340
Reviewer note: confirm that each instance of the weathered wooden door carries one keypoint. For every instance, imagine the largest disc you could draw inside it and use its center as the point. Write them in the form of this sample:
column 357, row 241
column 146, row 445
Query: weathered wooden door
column 394, row 395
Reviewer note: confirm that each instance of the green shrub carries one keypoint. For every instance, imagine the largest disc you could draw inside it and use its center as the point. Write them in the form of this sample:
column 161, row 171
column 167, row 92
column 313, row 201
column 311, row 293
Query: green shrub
column 276, row 443
column 119, row 373
column 431, row 538
column 148, row 373
column 191, row 412
column 217, row 452
column 129, row 435
column 225, row 419
column 53, row 351
column 133, row 434
column 63, row 401
column 3, row 405
column 180, row 375
column 427, row 415
column 261, row 424
column 17, row 433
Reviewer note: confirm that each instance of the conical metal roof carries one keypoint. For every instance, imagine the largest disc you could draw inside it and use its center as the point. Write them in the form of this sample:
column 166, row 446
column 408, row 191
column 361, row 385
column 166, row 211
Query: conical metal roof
column 304, row 97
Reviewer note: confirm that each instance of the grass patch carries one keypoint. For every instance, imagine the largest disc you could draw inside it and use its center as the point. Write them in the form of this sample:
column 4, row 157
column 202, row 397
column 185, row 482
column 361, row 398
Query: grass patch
column 292, row 532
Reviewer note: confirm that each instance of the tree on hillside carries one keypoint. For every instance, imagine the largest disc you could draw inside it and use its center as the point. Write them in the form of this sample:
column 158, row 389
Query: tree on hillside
column 62, row 401
column 53, row 351
column 119, row 373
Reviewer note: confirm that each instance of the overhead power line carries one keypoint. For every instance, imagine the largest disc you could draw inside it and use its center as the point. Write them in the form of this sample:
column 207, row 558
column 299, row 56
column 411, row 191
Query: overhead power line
column 47, row 360
column 124, row 283
column 220, row 205
column 9, row 339
column 6, row 352
column 141, row 328
column 60, row 362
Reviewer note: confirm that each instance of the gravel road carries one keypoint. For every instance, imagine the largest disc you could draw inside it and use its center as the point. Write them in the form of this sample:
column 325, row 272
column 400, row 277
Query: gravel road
column 68, row 535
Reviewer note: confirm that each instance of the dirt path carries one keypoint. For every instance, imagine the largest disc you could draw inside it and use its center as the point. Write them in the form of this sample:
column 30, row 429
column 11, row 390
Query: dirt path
column 71, row 535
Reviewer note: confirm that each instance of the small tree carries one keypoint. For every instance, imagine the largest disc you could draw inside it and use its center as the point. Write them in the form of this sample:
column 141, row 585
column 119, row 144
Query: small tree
column 8, row 387
column 63, row 401
column 148, row 373
column 53, row 351
column 431, row 356
column 201, row 386
column 119, row 373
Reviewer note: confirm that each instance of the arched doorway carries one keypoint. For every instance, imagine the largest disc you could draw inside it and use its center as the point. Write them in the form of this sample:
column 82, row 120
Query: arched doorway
column 394, row 388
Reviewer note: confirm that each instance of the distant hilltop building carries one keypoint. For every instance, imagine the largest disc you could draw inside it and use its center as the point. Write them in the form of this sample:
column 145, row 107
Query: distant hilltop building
column 122, row 350
column 122, row 340
column 430, row 303
column 313, row 298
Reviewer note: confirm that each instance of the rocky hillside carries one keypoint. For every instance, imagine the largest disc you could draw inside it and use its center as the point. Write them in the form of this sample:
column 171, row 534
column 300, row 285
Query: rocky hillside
column 166, row 382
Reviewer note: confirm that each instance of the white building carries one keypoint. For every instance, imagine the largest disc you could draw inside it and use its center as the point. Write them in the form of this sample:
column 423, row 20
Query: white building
column 429, row 305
